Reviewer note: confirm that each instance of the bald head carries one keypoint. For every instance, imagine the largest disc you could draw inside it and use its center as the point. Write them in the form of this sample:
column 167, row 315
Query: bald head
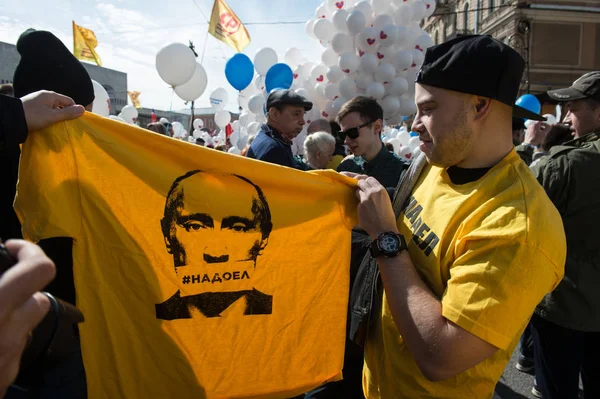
column 320, row 125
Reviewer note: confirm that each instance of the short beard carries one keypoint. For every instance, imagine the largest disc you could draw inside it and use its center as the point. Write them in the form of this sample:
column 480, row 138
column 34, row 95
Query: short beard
column 455, row 143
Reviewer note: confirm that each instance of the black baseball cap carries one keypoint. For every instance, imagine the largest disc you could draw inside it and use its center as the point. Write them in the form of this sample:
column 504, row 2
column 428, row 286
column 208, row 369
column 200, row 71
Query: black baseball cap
column 586, row 86
column 479, row 65
column 287, row 97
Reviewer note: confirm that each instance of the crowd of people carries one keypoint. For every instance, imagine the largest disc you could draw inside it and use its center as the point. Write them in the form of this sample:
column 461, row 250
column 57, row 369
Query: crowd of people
column 495, row 244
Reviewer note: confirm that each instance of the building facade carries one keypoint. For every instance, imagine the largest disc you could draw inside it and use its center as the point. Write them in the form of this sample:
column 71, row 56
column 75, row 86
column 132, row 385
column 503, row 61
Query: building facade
column 559, row 39
column 114, row 82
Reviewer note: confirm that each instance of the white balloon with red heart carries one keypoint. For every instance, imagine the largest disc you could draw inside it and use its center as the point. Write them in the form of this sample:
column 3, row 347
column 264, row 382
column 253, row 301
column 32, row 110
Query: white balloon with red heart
column 319, row 74
column 388, row 35
column 405, row 152
column 368, row 40
column 349, row 63
column 322, row 11
column 386, row 54
column 332, row 91
column 337, row 5
column 423, row 42
column 430, row 6
column 335, row 74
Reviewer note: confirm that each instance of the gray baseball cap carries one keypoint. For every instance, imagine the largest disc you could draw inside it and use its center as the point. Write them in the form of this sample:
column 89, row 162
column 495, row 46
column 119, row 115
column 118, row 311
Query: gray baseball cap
column 586, row 86
column 287, row 97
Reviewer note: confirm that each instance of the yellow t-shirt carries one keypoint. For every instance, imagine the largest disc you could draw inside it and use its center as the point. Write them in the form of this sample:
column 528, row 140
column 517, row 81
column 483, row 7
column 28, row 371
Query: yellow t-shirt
column 336, row 160
column 489, row 250
column 200, row 273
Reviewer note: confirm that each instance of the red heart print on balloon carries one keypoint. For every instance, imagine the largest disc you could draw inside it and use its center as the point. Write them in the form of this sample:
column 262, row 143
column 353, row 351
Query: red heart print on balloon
column 325, row 114
column 413, row 65
column 320, row 78
column 408, row 156
column 360, row 52
column 428, row 6
column 336, row 97
column 418, row 47
column 339, row 4
column 346, row 70
column 295, row 76
column 371, row 41
column 379, row 55
column 382, row 35
column 308, row 122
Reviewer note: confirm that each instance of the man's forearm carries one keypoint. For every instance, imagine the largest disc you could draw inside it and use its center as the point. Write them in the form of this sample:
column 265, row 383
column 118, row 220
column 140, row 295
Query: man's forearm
column 416, row 311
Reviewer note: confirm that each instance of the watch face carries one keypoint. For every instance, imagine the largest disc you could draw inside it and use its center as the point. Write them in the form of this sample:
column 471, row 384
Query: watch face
column 389, row 244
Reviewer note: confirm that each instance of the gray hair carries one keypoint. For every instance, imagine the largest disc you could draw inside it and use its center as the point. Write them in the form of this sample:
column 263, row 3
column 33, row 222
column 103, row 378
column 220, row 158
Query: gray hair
column 317, row 141
column 319, row 125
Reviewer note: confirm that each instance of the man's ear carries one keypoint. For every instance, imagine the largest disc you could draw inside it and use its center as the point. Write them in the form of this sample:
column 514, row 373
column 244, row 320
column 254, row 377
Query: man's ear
column 378, row 125
column 274, row 113
column 482, row 107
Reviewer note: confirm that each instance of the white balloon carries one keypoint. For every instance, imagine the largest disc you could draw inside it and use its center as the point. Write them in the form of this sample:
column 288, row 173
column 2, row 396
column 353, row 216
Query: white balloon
column 193, row 88
column 405, row 152
column 177, row 129
column 403, row 60
column 342, row 43
column 338, row 102
column 256, row 104
column 368, row 40
column 395, row 143
column 242, row 101
column 418, row 58
column 177, row 72
column 385, row 73
column 529, row 123
column 244, row 119
column 349, row 63
column 550, row 119
column 324, row 29
column 218, row 98
column 390, row 105
column 419, row 11
column 335, row 74
column 340, row 5
column 398, row 86
column 234, row 137
column 234, row 150
column 259, row 83
column 365, row 8
column 348, row 88
column 293, row 57
column 386, row 54
column 382, row 20
column 416, row 152
column 198, row 124
column 423, row 42
column 253, row 128
column 404, row 137
column 368, row 63
column 364, row 80
column 380, row 6
column 329, row 111
column 388, row 35
column 163, row 120
column 339, row 20
column 375, row 91
column 329, row 57
column 401, row 36
column 235, row 126
column 403, row 14
column 322, row 11
column 264, row 59
column 430, row 6
column 318, row 74
column 222, row 118
column 197, row 134
column 303, row 92
column 414, row 142
column 407, row 106
column 393, row 133
column 320, row 90
column 312, row 115
column 101, row 104
column 332, row 91
column 356, row 22
column 129, row 113
column 116, row 118
column 309, row 28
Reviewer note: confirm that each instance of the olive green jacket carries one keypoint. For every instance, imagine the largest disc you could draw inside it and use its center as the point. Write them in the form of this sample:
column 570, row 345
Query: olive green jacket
column 570, row 174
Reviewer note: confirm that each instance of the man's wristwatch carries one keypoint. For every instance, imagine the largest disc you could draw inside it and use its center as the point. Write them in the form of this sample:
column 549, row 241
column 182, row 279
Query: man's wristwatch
column 388, row 244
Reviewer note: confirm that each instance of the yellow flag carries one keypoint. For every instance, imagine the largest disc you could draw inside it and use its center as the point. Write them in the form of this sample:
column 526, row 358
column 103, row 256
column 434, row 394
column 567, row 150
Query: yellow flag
column 227, row 27
column 84, row 44
column 134, row 96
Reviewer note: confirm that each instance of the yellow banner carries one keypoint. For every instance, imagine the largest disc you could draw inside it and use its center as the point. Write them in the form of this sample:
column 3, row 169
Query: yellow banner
column 227, row 27
column 134, row 97
column 84, row 44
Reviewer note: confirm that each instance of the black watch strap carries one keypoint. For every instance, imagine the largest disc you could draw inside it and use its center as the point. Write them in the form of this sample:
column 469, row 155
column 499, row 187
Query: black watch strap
column 377, row 247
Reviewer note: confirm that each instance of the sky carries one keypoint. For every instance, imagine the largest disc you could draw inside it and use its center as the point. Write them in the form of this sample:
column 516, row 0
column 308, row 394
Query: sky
column 131, row 32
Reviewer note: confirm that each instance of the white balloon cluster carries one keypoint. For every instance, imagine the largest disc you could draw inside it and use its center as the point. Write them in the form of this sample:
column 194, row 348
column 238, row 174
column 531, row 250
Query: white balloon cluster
column 372, row 48
column 176, row 64
column 404, row 145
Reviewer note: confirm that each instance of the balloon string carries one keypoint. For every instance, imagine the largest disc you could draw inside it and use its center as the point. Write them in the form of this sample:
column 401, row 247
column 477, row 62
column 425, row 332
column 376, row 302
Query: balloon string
column 204, row 48
column 171, row 105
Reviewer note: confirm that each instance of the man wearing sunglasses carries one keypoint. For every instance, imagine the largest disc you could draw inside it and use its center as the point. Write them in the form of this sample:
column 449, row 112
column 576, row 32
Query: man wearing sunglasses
column 361, row 120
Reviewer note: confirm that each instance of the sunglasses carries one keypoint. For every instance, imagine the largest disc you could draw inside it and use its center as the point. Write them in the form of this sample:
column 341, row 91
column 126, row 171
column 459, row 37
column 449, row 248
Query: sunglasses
column 354, row 132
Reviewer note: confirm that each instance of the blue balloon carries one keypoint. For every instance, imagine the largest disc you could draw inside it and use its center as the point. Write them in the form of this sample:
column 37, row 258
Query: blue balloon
column 530, row 103
column 279, row 76
column 239, row 71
